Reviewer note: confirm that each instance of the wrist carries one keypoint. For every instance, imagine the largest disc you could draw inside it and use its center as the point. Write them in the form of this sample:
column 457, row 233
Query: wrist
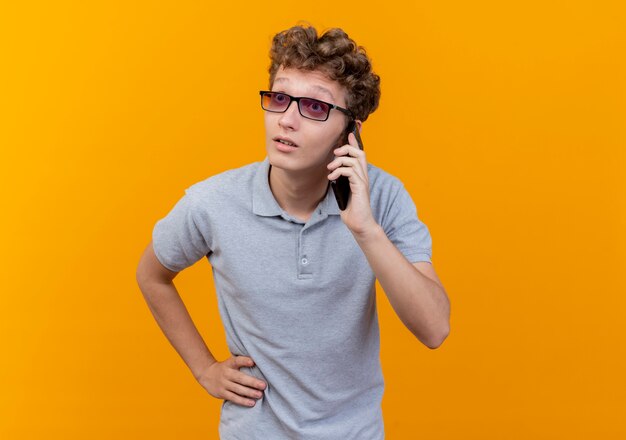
column 369, row 234
column 200, row 373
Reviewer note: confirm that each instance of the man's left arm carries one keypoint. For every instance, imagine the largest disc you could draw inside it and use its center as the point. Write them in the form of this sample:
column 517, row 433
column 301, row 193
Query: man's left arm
column 414, row 290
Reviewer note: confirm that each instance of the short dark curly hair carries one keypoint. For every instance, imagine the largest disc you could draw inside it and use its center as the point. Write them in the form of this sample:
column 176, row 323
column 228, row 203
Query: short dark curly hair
column 334, row 54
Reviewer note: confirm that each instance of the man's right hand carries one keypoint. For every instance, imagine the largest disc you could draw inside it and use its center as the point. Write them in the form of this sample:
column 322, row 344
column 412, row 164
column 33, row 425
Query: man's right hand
column 223, row 380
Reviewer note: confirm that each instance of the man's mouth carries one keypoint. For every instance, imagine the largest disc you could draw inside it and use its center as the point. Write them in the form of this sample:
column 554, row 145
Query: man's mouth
column 285, row 141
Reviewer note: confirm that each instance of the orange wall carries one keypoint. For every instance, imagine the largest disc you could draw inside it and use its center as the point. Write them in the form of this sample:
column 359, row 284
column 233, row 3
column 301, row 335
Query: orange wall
column 504, row 120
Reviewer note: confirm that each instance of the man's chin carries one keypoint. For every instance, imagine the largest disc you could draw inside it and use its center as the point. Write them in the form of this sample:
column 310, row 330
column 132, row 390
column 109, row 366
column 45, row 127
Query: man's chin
column 292, row 164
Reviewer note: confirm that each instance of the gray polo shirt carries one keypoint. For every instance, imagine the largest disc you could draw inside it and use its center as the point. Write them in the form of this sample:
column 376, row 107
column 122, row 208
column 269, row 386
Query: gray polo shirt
column 297, row 297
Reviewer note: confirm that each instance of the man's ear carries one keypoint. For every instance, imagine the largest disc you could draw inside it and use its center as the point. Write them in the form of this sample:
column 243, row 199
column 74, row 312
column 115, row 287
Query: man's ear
column 359, row 125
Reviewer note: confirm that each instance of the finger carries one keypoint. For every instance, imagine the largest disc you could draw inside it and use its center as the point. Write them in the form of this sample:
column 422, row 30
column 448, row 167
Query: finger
column 242, row 361
column 244, row 391
column 358, row 151
column 235, row 398
column 353, row 153
column 349, row 150
column 342, row 161
column 348, row 162
column 247, row 380
column 345, row 171
column 352, row 140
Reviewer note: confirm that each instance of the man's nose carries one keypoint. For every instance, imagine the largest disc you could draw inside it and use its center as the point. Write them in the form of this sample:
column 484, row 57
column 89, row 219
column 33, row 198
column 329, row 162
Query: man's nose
column 291, row 117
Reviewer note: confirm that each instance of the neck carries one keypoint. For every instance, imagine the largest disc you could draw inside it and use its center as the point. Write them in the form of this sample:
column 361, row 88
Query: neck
column 298, row 193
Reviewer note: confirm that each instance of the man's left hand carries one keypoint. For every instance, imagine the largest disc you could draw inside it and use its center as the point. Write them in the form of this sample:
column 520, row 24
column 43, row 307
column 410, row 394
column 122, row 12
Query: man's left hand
column 351, row 162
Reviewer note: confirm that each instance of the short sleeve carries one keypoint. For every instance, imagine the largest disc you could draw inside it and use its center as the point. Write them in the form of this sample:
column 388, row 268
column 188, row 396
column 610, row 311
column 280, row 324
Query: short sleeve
column 183, row 236
column 406, row 231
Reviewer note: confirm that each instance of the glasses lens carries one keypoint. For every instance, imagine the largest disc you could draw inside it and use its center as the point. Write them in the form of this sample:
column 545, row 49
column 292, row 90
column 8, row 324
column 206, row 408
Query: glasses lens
column 275, row 102
column 314, row 109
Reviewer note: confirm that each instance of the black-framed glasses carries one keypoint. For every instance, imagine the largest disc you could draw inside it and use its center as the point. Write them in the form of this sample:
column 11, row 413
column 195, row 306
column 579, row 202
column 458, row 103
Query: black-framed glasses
column 309, row 108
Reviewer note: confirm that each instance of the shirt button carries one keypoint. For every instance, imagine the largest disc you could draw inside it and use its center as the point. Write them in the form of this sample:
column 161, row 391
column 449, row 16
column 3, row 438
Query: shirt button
column 305, row 261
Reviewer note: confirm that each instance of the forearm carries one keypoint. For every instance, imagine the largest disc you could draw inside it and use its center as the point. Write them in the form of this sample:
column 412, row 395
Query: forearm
column 420, row 303
column 174, row 320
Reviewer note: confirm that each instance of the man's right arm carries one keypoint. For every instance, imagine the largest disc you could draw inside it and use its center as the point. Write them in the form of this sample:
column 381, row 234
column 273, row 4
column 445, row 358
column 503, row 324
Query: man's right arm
column 221, row 379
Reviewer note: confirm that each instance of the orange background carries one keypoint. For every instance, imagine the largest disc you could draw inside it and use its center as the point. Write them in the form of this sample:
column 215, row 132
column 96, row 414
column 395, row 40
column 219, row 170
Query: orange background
column 505, row 121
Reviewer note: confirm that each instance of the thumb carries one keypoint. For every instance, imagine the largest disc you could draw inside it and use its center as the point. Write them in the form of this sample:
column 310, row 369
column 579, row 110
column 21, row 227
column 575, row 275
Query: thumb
column 243, row 361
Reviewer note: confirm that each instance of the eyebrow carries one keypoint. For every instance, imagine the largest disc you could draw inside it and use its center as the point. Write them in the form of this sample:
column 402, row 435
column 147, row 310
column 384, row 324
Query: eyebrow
column 315, row 87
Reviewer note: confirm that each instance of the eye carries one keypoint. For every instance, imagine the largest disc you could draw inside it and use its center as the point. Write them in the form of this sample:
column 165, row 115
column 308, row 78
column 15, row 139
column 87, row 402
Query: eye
column 314, row 107
column 279, row 97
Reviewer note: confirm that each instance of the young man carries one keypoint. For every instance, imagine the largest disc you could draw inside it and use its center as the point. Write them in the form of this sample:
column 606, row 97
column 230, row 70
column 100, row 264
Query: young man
column 294, row 274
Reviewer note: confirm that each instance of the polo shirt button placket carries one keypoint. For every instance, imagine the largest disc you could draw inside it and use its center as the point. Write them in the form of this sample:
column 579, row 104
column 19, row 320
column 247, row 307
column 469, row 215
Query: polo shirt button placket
column 304, row 262
column 305, row 265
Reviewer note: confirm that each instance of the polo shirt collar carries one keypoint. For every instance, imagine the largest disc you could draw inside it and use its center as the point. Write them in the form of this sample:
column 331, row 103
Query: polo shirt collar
column 264, row 203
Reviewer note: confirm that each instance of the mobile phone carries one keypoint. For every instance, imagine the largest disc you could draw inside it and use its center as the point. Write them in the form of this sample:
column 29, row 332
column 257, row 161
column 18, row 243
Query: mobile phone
column 341, row 186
